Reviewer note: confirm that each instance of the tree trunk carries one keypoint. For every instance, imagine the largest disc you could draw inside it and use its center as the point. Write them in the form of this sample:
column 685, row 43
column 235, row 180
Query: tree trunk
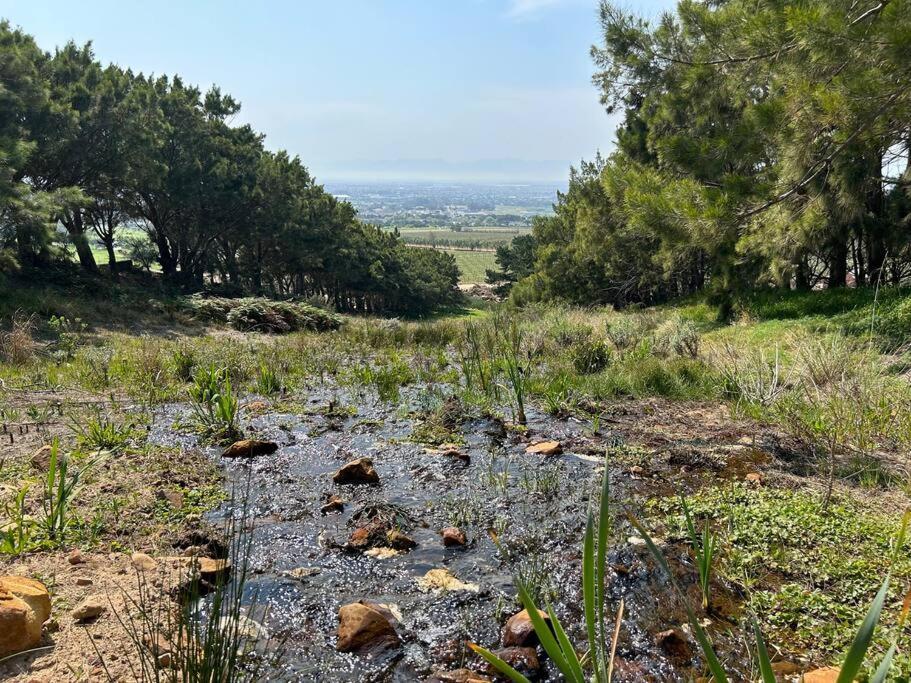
column 76, row 229
column 838, row 264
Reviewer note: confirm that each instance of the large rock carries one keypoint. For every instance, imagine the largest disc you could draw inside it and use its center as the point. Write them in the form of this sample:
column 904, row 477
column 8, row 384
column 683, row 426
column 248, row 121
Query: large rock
column 41, row 459
column 443, row 581
column 358, row 471
column 519, row 630
column 24, row 606
column 545, row 448
column 827, row 675
column 249, row 448
column 366, row 625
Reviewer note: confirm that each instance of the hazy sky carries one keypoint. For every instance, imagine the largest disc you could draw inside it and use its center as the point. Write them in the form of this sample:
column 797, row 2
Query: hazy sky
column 348, row 83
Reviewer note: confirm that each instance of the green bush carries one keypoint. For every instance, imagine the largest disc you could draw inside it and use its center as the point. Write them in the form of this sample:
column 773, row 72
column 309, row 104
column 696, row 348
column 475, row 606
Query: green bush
column 590, row 356
column 263, row 315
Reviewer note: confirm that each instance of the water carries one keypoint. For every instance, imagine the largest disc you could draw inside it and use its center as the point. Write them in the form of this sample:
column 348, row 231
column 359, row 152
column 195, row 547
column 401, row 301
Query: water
column 534, row 506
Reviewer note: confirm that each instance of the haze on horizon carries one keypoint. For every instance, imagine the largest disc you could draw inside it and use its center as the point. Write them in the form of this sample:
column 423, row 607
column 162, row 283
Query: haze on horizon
column 482, row 90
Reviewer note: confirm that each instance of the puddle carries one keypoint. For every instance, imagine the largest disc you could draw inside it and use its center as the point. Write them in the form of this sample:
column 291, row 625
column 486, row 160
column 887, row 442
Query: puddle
column 534, row 505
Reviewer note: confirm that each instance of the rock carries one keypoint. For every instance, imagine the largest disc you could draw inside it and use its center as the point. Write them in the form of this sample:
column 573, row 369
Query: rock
column 828, row 674
column 75, row 557
column 301, row 573
column 453, row 536
column 143, row 562
column 636, row 471
column 90, row 608
column 41, row 459
column 358, row 471
column 637, row 541
column 204, row 537
column 519, row 631
column 24, row 606
column 83, row 581
column 399, row 541
column 249, row 448
column 442, row 580
column 257, row 406
column 754, row 479
column 365, row 625
column 458, row 676
column 163, row 661
column 545, row 448
column 333, row 504
column 674, row 643
column 157, row 644
column 372, row 534
column 785, row 668
column 382, row 553
column 522, row 659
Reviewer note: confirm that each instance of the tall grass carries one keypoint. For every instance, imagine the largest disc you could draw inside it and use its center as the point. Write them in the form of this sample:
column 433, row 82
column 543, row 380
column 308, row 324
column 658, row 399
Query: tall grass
column 208, row 637
column 60, row 488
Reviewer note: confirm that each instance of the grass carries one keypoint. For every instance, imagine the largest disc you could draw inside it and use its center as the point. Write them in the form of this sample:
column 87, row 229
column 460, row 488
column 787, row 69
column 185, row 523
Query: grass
column 483, row 237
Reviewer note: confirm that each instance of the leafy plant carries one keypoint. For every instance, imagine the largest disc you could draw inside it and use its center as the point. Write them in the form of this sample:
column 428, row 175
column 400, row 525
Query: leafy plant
column 215, row 407
column 268, row 381
column 704, row 550
column 510, row 349
column 60, row 488
column 16, row 534
column 101, row 433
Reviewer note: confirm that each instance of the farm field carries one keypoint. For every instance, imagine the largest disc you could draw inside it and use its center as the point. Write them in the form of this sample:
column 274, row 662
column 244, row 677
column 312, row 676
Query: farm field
column 484, row 237
column 473, row 264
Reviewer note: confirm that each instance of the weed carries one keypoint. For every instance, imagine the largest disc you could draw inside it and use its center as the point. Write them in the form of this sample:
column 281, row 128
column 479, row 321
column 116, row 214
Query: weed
column 99, row 432
column 16, row 534
column 268, row 381
column 214, row 405
column 590, row 356
column 703, row 549
column 60, row 488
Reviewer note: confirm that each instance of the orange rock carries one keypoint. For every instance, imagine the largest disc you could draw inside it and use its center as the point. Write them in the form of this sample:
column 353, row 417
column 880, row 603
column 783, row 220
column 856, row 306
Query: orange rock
column 358, row 471
column 545, row 448
column 24, row 606
column 365, row 625
column 248, row 448
column 519, row 631
column 754, row 479
column 828, row 674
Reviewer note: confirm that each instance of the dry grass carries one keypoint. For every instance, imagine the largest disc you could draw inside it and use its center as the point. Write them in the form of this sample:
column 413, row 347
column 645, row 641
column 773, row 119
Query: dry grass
column 18, row 344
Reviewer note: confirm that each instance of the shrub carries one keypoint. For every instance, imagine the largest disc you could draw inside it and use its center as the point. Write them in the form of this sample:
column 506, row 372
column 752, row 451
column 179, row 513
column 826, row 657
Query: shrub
column 626, row 331
column 590, row 356
column 263, row 315
column 676, row 336
column 17, row 345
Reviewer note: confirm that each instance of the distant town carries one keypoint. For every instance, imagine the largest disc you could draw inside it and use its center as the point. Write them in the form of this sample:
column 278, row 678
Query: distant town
column 448, row 205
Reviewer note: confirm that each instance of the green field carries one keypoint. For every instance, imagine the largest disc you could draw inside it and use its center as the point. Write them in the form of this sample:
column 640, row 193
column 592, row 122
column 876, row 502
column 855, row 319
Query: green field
column 473, row 264
column 486, row 237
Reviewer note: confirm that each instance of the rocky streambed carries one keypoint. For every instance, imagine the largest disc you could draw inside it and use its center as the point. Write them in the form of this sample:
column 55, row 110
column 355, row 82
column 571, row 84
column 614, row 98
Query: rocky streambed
column 378, row 558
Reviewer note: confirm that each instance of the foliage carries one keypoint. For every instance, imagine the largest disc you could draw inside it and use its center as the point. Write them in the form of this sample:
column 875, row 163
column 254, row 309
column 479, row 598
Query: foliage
column 214, row 405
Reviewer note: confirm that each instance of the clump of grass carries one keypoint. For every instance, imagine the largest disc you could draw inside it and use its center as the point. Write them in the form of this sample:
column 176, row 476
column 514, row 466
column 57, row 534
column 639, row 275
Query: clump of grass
column 183, row 361
column 268, row 381
column 512, row 368
column 60, row 488
column 590, row 356
column 16, row 536
column 99, row 432
column 386, row 375
column 214, row 405
column 17, row 344
column 208, row 636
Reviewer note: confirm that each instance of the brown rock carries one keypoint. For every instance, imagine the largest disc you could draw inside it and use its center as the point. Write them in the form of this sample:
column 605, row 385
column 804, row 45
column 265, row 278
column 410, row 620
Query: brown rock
column 174, row 498
column 365, row 625
column 333, row 504
column 75, row 557
column 828, row 674
column 674, row 643
column 368, row 536
column 143, row 562
column 545, row 448
column 358, row 471
column 519, row 631
column 249, row 448
column 754, row 479
column 458, row 676
column 785, row 668
column 636, row 471
column 24, row 606
column 83, row 581
column 41, row 459
column 453, row 536
column 90, row 608
column 522, row 659
column 399, row 541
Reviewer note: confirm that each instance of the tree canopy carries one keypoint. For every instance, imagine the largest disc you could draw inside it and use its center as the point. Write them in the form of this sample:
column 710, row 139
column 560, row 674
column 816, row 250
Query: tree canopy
column 87, row 150
column 763, row 143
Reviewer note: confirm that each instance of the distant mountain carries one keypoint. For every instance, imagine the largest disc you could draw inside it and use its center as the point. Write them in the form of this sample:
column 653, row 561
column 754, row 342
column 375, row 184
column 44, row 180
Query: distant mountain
column 483, row 170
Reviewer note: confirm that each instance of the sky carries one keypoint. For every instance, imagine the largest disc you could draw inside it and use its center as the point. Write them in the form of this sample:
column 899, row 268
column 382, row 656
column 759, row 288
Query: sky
column 372, row 89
